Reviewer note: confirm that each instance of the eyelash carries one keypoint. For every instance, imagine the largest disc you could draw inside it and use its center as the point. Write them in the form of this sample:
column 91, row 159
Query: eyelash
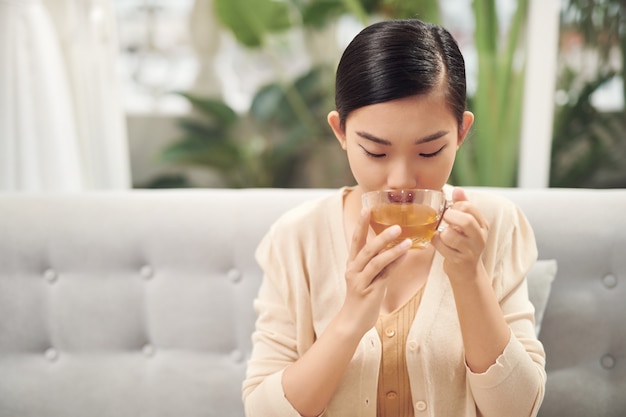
column 381, row 155
column 430, row 155
column 373, row 155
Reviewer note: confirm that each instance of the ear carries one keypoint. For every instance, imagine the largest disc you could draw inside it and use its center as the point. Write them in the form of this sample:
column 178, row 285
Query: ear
column 335, row 124
column 468, row 121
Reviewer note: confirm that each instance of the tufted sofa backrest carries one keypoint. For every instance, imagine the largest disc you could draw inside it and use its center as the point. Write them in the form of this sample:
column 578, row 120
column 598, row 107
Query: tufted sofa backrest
column 137, row 304
column 129, row 304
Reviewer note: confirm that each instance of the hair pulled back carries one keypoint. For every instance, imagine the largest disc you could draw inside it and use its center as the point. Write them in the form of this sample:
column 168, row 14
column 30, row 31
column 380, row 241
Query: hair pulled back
column 394, row 59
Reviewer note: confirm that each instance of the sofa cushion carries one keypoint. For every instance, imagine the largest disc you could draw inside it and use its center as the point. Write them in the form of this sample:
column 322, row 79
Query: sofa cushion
column 540, row 278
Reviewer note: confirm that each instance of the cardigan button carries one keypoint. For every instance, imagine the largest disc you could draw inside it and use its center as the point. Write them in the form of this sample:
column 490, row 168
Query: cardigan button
column 414, row 346
column 420, row 406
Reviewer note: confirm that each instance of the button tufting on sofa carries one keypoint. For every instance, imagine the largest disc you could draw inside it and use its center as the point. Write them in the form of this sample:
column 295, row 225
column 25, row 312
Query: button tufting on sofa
column 51, row 354
column 50, row 275
column 142, row 303
column 146, row 271
column 609, row 281
column 234, row 275
column 148, row 350
column 607, row 361
column 237, row 356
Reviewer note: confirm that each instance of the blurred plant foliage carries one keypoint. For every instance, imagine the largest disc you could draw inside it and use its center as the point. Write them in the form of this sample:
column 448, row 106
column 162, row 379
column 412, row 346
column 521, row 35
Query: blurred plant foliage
column 265, row 146
column 276, row 139
column 589, row 146
column 489, row 156
column 285, row 126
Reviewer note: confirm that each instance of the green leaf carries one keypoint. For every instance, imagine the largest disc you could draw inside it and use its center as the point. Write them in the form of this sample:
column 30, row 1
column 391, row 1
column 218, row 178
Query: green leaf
column 251, row 21
column 427, row 10
column 487, row 28
column 217, row 111
column 297, row 142
column 267, row 102
column 318, row 13
column 167, row 181
column 299, row 103
column 198, row 128
column 222, row 155
column 312, row 86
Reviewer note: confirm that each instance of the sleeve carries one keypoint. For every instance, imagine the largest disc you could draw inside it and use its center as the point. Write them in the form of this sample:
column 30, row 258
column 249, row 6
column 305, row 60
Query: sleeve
column 514, row 385
column 275, row 339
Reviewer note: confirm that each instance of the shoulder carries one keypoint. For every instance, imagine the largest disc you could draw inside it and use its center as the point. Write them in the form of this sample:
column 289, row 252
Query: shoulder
column 308, row 213
column 298, row 231
column 305, row 223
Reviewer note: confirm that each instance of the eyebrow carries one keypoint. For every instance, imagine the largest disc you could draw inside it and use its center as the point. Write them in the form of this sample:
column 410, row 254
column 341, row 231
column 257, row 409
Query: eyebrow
column 382, row 141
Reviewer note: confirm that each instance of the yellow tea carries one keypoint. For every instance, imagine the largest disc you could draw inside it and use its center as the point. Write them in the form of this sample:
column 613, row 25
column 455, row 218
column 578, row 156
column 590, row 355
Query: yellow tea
column 418, row 222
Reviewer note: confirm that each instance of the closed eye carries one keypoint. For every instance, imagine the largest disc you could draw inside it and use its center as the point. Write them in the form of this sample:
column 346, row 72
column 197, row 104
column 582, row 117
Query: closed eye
column 430, row 155
column 373, row 155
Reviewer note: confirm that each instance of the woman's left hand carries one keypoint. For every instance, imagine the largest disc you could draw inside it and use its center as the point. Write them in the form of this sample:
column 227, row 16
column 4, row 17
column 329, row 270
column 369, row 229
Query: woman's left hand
column 462, row 242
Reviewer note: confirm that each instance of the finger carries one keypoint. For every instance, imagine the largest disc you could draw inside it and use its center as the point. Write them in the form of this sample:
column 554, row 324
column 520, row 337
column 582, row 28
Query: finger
column 451, row 239
column 458, row 194
column 463, row 235
column 377, row 267
column 359, row 237
column 441, row 247
column 375, row 246
column 461, row 202
column 466, row 220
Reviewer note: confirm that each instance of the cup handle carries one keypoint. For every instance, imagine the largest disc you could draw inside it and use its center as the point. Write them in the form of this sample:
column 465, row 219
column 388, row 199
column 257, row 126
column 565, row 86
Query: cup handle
column 441, row 217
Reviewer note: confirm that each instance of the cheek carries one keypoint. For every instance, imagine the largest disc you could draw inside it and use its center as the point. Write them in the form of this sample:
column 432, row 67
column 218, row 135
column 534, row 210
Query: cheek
column 447, row 163
column 364, row 171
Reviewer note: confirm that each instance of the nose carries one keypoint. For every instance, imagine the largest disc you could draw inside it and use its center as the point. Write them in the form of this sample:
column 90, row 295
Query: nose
column 401, row 175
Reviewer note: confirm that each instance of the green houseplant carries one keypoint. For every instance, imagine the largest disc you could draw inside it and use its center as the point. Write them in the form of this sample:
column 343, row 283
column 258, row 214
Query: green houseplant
column 489, row 156
column 286, row 124
column 262, row 148
column 588, row 147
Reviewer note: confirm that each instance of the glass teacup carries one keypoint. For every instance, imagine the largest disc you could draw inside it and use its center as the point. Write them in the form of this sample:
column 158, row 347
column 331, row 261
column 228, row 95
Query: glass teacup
column 418, row 212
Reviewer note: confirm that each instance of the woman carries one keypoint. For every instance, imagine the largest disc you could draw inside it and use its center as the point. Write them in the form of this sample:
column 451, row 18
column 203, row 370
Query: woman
column 347, row 327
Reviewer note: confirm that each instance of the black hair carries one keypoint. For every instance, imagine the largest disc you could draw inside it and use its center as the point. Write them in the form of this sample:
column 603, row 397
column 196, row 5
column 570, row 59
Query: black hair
column 394, row 59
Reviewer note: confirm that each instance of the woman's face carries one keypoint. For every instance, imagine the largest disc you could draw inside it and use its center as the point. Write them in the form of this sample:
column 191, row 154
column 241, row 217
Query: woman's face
column 405, row 143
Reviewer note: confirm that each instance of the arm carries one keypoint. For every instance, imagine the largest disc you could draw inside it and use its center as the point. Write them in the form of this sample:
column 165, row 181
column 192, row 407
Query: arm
column 309, row 381
column 484, row 330
column 496, row 325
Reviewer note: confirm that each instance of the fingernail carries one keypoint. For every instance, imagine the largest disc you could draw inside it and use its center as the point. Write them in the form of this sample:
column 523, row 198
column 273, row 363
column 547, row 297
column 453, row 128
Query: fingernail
column 395, row 230
column 406, row 244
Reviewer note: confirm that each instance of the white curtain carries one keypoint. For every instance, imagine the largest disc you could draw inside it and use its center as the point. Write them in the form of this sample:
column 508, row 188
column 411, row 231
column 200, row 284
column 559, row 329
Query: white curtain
column 62, row 126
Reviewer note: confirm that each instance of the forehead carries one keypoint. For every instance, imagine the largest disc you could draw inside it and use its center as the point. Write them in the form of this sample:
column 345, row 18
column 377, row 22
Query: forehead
column 423, row 111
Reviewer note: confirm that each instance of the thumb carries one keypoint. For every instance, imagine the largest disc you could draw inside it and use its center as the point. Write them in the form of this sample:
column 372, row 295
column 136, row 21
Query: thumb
column 458, row 194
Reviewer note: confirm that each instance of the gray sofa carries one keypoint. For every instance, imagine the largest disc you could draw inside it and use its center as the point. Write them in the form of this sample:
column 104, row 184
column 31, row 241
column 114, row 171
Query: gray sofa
column 139, row 303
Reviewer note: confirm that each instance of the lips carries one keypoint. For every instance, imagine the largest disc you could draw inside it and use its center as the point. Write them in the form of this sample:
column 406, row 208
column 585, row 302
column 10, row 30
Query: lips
column 400, row 196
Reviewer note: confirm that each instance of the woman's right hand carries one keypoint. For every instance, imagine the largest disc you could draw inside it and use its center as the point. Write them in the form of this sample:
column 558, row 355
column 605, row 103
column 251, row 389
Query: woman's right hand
column 367, row 273
column 311, row 381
